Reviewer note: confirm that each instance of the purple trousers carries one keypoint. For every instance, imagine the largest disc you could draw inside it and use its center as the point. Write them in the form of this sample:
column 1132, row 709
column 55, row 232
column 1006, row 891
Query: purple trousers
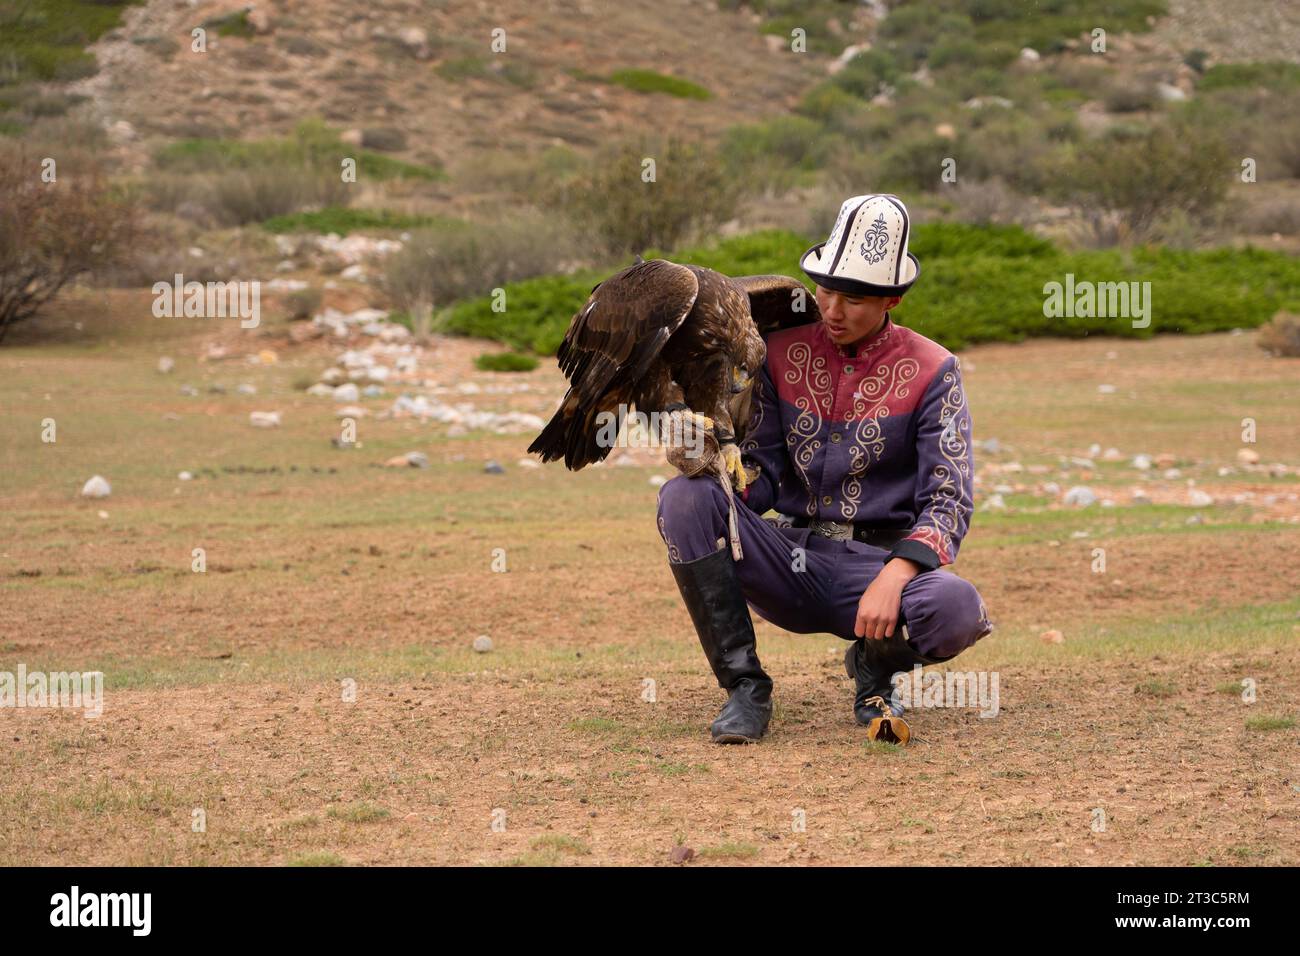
column 808, row 584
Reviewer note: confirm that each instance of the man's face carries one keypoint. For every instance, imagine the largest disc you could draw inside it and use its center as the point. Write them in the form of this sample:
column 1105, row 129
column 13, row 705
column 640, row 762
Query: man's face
column 849, row 318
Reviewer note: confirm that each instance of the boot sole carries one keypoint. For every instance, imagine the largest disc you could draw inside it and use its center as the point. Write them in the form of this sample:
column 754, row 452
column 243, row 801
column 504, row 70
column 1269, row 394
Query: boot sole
column 735, row 739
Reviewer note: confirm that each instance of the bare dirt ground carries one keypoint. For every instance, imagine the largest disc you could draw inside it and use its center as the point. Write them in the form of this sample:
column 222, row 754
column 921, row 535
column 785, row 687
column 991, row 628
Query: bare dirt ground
column 225, row 690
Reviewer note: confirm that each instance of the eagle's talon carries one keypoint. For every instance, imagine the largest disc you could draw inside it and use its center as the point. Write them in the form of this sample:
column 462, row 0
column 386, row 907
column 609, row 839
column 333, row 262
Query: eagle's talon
column 735, row 467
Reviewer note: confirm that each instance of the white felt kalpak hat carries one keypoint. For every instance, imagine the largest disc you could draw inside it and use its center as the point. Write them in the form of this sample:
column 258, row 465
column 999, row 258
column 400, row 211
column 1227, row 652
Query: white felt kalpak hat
column 866, row 253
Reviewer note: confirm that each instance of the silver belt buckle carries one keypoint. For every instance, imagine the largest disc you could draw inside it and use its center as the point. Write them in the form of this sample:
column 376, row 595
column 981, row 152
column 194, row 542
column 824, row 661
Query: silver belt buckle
column 835, row 530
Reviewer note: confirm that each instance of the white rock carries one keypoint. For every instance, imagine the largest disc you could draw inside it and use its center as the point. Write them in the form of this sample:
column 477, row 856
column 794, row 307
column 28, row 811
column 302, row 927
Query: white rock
column 1111, row 454
column 351, row 411
column 247, row 389
column 321, row 390
column 528, row 463
column 1142, row 462
column 1030, row 55
column 1080, row 496
column 482, row 644
column 347, row 392
column 185, row 476
column 1106, row 389
column 1199, row 499
column 96, row 487
column 1248, row 456
column 995, row 503
column 658, row 480
column 1051, row 488
column 166, row 364
column 264, row 419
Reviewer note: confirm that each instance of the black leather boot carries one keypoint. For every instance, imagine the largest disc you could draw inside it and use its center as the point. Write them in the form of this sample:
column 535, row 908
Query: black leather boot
column 712, row 594
column 872, row 664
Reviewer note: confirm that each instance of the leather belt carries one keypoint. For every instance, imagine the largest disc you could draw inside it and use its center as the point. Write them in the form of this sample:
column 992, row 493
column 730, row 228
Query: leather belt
column 844, row 530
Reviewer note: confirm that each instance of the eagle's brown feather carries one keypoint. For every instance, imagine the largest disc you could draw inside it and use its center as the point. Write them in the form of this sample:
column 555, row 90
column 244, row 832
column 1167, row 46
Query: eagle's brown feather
column 657, row 333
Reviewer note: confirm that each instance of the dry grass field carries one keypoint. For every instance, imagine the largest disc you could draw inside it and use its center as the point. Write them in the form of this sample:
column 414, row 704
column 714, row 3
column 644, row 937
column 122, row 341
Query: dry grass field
column 224, row 690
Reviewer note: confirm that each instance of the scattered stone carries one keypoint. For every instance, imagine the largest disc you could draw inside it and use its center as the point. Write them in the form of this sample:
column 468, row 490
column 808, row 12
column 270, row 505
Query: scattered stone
column 996, row 503
column 185, row 476
column 372, row 391
column 351, row 411
column 321, row 390
column 991, row 446
column 1142, row 462
column 494, row 468
column 96, row 487
column 247, row 389
column 1051, row 488
column 1106, row 389
column 189, row 390
column 1029, row 55
column 1172, row 474
column 347, row 392
column 1170, row 93
column 482, row 644
column 1080, row 496
column 166, row 364
column 1199, row 499
column 412, row 459
column 334, row 376
column 264, row 419
column 1165, row 460
column 1248, row 456
column 1052, row 637
column 1111, row 454
column 658, row 481
column 682, row 854
column 528, row 463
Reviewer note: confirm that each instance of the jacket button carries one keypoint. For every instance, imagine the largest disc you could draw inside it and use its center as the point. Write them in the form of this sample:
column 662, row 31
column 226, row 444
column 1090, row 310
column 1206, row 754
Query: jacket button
column 835, row 436
column 826, row 500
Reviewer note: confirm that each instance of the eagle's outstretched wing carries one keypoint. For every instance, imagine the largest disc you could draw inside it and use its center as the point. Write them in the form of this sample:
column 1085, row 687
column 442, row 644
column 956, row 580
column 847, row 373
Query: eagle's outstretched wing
column 778, row 302
column 611, row 344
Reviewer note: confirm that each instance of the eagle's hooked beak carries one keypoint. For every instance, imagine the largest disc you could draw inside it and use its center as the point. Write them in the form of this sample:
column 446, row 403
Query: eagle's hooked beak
column 739, row 379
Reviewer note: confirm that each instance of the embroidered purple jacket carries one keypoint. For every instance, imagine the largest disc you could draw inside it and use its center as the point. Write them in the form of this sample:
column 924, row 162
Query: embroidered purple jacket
column 878, row 434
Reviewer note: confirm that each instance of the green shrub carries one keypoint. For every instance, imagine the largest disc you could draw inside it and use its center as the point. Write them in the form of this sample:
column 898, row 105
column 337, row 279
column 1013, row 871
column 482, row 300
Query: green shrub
column 611, row 202
column 1274, row 76
column 505, row 362
column 648, row 81
column 773, row 154
column 343, row 220
column 311, row 145
column 46, row 39
column 977, row 285
column 439, row 266
column 1146, row 176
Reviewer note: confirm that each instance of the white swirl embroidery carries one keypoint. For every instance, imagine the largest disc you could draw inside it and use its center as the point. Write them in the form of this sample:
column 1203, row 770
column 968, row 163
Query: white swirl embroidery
column 870, row 408
column 951, row 477
column 811, row 372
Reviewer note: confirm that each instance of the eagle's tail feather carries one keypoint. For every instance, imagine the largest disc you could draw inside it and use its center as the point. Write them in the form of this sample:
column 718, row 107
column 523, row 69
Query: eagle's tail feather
column 574, row 433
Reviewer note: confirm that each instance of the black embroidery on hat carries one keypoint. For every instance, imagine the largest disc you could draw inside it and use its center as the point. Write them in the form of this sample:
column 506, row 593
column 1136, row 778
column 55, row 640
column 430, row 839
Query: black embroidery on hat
column 876, row 241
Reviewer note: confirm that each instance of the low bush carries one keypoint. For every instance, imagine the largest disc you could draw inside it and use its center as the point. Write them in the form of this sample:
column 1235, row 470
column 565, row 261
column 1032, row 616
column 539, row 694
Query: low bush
column 978, row 284
column 505, row 362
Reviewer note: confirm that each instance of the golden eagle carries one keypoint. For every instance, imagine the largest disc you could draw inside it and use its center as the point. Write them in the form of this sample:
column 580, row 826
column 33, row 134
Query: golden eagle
column 668, row 338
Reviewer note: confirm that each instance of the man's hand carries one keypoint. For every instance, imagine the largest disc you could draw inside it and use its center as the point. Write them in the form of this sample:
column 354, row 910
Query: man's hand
column 878, row 609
